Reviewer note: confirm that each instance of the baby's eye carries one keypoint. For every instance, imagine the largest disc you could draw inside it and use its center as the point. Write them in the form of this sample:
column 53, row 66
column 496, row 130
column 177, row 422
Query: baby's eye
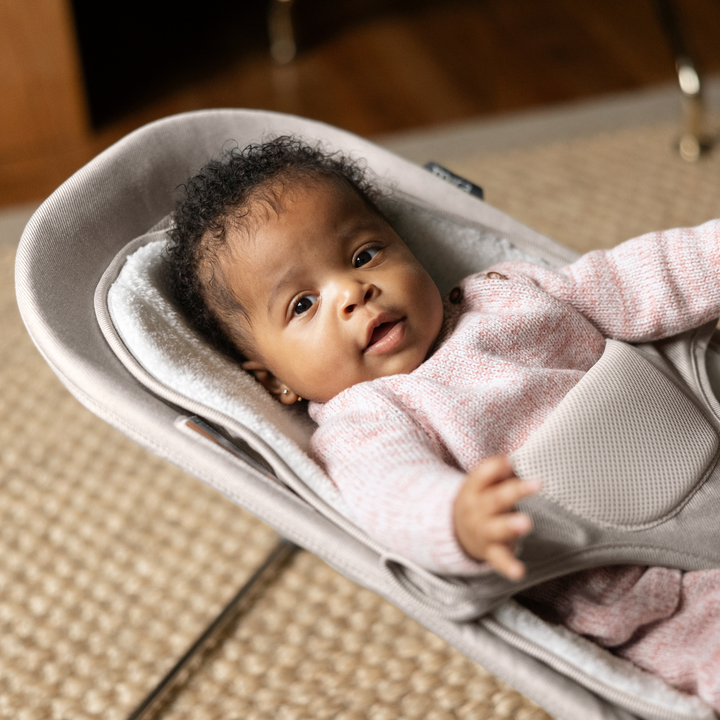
column 364, row 257
column 304, row 304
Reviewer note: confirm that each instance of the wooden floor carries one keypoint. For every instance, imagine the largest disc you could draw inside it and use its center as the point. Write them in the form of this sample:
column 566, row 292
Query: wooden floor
column 441, row 62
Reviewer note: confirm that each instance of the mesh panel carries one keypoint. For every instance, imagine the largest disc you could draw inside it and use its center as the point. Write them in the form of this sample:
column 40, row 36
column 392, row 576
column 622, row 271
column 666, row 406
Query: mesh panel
column 625, row 447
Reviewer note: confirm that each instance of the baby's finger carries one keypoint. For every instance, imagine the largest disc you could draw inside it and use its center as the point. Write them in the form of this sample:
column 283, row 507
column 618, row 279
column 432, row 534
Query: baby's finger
column 501, row 559
column 506, row 528
column 491, row 471
column 504, row 497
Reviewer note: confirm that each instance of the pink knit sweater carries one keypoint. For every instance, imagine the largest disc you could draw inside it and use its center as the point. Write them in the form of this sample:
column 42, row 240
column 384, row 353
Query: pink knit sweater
column 514, row 341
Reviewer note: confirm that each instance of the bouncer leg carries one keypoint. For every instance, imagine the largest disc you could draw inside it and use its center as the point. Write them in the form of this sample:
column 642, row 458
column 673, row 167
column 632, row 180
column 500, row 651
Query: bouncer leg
column 191, row 660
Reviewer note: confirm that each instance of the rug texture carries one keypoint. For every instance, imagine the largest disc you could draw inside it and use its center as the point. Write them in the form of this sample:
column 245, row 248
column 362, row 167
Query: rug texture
column 112, row 561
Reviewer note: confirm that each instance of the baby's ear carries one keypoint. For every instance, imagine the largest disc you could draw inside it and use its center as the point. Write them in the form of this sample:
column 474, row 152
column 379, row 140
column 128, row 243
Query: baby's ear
column 275, row 387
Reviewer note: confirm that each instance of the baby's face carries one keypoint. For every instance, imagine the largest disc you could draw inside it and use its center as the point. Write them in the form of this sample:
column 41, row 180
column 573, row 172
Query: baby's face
column 334, row 296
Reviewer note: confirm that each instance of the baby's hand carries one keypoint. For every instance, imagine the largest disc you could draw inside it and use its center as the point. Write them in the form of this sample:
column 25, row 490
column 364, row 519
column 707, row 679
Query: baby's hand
column 485, row 522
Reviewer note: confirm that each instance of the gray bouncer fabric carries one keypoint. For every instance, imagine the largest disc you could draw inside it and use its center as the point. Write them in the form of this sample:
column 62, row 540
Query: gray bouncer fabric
column 81, row 266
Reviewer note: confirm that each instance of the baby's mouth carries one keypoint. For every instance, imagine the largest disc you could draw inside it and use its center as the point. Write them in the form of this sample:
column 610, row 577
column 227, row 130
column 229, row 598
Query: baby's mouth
column 381, row 331
column 386, row 335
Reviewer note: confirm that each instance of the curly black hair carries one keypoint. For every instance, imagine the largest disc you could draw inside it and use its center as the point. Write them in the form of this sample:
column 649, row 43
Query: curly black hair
column 220, row 196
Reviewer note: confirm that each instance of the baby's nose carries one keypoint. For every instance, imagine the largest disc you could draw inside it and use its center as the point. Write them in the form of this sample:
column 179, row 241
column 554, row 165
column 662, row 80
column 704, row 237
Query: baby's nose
column 352, row 300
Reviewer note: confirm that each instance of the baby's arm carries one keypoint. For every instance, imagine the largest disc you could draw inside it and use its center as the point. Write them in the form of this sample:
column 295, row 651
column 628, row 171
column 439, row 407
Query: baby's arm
column 485, row 522
column 400, row 486
column 651, row 287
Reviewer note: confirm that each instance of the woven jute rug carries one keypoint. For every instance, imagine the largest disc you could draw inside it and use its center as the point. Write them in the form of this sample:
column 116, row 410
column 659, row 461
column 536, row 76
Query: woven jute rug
column 112, row 562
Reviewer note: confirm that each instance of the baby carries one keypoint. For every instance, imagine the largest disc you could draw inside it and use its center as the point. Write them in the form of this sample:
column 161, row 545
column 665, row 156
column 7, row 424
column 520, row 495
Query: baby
column 281, row 258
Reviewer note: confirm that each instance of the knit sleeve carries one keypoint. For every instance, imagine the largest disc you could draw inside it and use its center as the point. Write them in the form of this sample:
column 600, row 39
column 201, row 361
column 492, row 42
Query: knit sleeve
column 394, row 477
column 653, row 286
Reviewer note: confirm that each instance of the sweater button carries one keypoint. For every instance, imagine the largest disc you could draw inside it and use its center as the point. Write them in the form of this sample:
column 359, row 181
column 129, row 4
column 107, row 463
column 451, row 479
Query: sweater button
column 456, row 295
column 495, row 276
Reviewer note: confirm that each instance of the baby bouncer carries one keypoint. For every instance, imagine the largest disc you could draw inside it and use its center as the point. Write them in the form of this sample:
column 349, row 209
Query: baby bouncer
column 91, row 292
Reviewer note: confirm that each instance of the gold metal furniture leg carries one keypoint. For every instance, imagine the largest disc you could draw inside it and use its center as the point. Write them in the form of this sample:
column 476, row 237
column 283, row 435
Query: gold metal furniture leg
column 693, row 142
column 282, row 32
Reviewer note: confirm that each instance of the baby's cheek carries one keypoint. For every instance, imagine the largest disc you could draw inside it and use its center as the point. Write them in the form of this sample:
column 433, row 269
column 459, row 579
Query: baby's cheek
column 331, row 370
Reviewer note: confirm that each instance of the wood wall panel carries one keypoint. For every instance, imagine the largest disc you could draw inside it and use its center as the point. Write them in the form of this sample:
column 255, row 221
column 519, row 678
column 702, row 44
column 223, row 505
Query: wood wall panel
column 42, row 105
